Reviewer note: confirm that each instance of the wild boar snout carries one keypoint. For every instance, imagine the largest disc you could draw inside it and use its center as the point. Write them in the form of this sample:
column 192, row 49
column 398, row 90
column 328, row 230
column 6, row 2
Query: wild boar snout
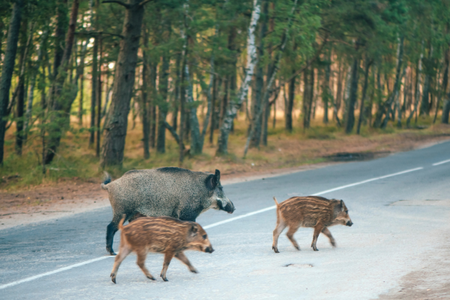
column 225, row 204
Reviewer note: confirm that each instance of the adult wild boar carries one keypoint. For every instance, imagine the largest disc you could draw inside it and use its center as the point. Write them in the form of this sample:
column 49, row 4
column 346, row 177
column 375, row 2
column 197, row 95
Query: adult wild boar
column 170, row 191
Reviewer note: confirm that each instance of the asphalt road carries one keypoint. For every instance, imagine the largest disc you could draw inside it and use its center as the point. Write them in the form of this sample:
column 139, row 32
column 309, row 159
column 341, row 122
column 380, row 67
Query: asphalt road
column 400, row 207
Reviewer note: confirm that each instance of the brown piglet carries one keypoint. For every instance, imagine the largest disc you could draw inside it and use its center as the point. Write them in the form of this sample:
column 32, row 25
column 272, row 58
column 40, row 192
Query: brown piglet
column 311, row 211
column 162, row 235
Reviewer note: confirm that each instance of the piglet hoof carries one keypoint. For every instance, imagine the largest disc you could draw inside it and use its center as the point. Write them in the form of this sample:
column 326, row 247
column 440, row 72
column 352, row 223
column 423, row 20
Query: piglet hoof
column 275, row 249
column 151, row 277
column 297, row 247
column 315, row 249
column 194, row 271
column 113, row 278
column 164, row 278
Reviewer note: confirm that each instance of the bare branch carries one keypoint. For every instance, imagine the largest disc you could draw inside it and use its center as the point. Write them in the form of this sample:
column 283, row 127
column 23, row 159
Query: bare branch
column 127, row 6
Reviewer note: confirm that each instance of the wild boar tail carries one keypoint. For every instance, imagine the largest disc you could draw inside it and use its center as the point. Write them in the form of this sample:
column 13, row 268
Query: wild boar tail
column 121, row 222
column 106, row 180
column 276, row 202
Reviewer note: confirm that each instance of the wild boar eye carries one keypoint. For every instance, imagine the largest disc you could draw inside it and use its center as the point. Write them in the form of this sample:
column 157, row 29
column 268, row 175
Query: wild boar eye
column 204, row 237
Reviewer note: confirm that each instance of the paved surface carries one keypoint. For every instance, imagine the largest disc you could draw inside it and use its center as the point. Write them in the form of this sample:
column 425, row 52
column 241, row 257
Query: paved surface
column 400, row 207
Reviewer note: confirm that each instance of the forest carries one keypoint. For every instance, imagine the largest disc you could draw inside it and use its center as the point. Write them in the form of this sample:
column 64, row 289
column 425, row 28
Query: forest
column 187, row 73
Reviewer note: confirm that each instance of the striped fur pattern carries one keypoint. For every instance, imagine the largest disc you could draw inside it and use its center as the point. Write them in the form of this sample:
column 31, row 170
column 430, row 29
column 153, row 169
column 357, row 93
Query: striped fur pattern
column 310, row 211
column 161, row 235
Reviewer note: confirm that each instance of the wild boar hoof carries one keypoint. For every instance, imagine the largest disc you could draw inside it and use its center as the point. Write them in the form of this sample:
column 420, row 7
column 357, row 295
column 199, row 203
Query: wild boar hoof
column 164, row 278
column 111, row 251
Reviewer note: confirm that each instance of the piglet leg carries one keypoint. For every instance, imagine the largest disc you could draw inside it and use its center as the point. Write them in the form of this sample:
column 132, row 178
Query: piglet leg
column 167, row 258
column 186, row 261
column 317, row 229
column 141, row 256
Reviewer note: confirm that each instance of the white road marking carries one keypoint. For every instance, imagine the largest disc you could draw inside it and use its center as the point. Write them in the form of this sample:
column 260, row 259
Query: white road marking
column 4, row 286
column 441, row 162
column 206, row 227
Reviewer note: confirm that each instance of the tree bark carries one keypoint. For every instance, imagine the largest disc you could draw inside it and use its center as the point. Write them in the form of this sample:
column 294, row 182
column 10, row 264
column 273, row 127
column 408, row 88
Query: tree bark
column 417, row 92
column 290, row 104
column 8, row 68
column 25, row 45
column 350, row 120
column 99, row 98
column 425, row 104
column 62, row 103
column 116, row 129
column 443, row 90
column 242, row 95
column 93, row 75
column 363, row 98
column 163, row 106
column 326, row 90
column 257, row 92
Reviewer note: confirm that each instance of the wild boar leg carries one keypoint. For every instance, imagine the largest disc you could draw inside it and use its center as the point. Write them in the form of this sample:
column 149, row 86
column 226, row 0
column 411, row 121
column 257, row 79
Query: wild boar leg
column 281, row 225
column 290, row 235
column 123, row 252
column 328, row 234
column 141, row 256
column 167, row 258
column 111, row 229
column 185, row 260
column 317, row 229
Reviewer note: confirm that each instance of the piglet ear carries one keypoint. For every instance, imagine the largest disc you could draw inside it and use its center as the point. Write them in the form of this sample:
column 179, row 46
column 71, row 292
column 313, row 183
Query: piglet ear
column 342, row 205
column 193, row 230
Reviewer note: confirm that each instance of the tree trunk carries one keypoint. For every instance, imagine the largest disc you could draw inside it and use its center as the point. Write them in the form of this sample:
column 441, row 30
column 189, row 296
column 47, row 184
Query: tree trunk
column 162, row 107
column 353, row 95
column 257, row 91
column 62, row 102
column 326, row 90
column 425, row 104
column 116, row 129
column 338, row 98
column 93, row 75
column 144, row 105
column 252, row 60
column 417, row 92
column 268, row 90
column 385, row 108
column 443, row 90
column 363, row 98
column 80, row 105
column 290, row 104
column 25, row 45
column 99, row 97
column 8, row 68
column 34, row 71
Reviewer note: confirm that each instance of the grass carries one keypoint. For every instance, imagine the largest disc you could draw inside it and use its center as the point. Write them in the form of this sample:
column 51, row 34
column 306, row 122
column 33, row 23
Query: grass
column 75, row 160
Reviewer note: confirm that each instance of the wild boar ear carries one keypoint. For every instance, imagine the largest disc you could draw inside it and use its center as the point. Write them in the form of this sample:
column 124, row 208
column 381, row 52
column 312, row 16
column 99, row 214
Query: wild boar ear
column 217, row 175
column 193, row 230
column 211, row 182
